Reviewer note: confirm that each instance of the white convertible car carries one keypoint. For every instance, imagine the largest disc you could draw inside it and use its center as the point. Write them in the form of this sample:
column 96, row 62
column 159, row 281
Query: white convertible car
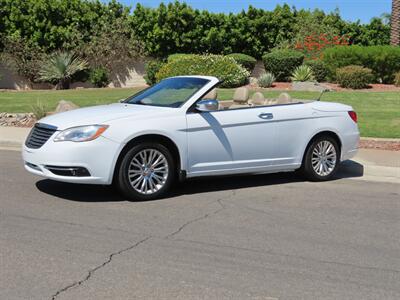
column 177, row 129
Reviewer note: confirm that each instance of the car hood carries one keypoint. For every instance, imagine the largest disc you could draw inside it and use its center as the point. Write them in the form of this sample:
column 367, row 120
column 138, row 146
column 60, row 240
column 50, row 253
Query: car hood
column 101, row 114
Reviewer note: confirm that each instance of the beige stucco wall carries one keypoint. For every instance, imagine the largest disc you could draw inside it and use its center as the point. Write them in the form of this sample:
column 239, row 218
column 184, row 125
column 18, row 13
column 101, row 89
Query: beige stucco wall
column 11, row 81
column 127, row 75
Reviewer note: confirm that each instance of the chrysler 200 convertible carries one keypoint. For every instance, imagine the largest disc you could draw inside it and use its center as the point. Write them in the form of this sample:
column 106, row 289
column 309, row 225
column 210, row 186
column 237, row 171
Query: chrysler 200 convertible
column 178, row 129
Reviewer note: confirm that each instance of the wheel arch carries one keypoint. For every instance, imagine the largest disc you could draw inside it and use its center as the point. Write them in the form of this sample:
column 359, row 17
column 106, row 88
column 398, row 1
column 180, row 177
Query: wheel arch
column 154, row 138
column 330, row 133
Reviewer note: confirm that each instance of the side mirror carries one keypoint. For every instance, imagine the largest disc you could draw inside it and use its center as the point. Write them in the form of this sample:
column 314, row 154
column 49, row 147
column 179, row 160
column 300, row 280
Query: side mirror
column 207, row 105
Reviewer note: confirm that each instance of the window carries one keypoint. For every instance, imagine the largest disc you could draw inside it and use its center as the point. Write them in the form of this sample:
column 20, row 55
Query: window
column 171, row 92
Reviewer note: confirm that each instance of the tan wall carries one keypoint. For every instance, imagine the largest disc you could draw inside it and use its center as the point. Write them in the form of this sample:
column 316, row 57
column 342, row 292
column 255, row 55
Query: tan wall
column 10, row 81
column 127, row 75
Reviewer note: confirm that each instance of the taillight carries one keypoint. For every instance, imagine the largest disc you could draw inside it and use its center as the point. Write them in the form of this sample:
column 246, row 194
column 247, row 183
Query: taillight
column 353, row 116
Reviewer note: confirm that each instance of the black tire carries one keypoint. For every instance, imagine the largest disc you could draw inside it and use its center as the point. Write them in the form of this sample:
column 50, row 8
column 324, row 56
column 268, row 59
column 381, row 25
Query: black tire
column 122, row 179
column 307, row 168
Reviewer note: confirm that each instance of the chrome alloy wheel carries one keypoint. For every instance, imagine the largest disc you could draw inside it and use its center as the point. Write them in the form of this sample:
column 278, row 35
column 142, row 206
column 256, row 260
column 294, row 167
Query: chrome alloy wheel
column 148, row 171
column 323, row 158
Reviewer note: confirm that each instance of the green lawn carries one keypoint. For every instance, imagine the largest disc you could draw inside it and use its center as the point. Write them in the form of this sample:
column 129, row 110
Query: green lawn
column 379, row 112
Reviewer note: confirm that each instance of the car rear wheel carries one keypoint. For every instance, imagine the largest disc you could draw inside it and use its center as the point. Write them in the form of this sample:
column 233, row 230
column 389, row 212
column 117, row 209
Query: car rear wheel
column 146, row 172
column 322, row 159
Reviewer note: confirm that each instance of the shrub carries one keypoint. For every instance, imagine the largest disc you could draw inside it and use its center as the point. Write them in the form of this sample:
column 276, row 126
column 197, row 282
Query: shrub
column 397, row 79
column 266, row 80
column 354, row 77
column 224, row 68
column 151, row 69
column 39, row 110
column 282, row 63
column 99, row 77
column 384, row 61
column 303, row 73
column 313, row 45
column 318, row 68
column 246, row 61
column 177, row 56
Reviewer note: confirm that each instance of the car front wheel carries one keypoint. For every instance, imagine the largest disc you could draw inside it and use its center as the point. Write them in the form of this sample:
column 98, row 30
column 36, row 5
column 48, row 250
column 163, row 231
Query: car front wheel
column 146, row 172
column 322, row 159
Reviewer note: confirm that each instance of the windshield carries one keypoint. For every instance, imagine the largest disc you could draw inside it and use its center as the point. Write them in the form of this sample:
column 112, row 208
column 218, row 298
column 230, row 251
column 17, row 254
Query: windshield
column 171, row 92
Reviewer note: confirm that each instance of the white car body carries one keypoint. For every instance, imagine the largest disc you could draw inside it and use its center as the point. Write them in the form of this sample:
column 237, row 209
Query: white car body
column 209, row 143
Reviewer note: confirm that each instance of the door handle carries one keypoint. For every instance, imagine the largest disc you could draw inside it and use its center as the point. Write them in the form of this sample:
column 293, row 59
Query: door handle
column 266, row 116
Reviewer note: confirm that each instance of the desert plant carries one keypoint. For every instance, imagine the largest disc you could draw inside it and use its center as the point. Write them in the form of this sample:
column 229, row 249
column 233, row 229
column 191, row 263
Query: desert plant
column 397, row 79
column 244, row 60
column 282, row 63
column 39, row 110
column 151, row 68
column 225, row 68
column 99, row 77
column 303, row 73
column 266, row 80
column 60, row 67
column 318, row 68
column 354, row 77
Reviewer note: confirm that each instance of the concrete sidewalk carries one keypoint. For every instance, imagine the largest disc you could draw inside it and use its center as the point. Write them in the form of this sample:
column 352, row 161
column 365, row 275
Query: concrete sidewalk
column 369, row 164
column 13, row 137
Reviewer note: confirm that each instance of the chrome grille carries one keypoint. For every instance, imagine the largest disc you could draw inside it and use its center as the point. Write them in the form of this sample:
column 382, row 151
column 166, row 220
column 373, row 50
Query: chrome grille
column 39, row 135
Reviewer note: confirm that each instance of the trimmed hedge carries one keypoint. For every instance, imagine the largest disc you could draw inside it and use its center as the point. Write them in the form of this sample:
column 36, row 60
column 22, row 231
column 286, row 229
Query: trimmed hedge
column 224, row 68
column 354, row 77
column 384, row 61
column 177, row 56
column 319, row 69
column 151, row 68
column 282, row 63
column 246, row 61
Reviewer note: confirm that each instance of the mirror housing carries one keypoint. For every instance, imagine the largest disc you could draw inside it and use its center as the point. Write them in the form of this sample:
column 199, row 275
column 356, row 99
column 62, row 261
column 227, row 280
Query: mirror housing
column 206, row 105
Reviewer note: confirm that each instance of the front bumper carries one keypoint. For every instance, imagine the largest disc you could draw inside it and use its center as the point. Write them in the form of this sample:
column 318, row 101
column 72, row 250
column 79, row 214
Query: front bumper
column 98, row 157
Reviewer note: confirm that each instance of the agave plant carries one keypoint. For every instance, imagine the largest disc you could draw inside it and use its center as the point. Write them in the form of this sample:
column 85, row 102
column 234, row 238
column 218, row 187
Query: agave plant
column 266, row 80
column 60, row 67
column 303, row 73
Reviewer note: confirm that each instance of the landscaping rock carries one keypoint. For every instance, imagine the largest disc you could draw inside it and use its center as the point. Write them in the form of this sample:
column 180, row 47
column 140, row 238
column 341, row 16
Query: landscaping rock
column 310, row 86
column 17, row 120
column 64, row 105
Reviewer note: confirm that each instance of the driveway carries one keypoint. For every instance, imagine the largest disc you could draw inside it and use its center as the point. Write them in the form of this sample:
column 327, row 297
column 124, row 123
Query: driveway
column 247, row 237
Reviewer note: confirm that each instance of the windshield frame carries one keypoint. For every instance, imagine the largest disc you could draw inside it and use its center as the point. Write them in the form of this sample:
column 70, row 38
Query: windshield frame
column 183, row 102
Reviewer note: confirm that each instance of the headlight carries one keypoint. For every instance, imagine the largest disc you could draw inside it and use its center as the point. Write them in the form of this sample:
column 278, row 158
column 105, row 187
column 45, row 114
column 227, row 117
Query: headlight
column 81, row 133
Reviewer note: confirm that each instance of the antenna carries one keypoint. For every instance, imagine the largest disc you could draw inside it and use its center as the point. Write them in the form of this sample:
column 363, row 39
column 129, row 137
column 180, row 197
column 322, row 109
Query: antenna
column 321, row 94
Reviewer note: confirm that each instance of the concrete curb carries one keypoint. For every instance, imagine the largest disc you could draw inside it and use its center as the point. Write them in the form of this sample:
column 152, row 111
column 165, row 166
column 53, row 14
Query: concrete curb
column 380, row 139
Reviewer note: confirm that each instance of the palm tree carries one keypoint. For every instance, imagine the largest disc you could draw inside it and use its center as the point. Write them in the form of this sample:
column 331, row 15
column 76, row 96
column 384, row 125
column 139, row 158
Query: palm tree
column 60, row 67
column 395, row 23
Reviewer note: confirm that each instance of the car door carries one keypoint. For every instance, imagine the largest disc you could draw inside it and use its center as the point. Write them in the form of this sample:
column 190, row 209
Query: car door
column 230, row 141
column 295, row 122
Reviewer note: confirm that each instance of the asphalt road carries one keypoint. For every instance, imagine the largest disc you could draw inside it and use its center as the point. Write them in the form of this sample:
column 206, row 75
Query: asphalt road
column 252, row 237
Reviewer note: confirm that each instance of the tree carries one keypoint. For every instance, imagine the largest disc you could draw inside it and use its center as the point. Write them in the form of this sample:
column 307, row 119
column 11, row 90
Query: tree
column 59, row 68
column 395, row 23
column 23, row 57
